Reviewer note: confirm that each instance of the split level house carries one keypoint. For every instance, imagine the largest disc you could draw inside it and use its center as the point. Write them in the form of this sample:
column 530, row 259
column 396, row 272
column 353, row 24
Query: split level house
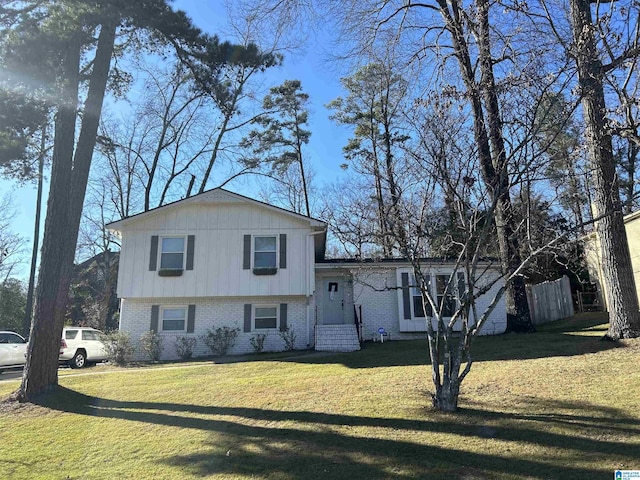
column 221, row 259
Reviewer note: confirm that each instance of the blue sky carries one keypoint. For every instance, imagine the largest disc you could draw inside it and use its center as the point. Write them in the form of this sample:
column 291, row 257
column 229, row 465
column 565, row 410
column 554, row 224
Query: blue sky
column 319, row 80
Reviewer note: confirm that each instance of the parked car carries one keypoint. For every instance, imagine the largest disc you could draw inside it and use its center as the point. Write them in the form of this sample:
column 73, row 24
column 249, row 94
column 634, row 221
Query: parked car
column 13, row 349
column 81, row 346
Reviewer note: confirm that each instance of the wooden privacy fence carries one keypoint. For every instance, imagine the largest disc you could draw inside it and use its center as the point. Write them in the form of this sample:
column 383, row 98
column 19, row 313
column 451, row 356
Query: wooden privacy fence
column 549, row 301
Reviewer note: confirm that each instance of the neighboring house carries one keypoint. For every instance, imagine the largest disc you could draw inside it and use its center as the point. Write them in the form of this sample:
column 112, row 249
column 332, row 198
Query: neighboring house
column 93, row 301
column 594, row 256
column 221, row 259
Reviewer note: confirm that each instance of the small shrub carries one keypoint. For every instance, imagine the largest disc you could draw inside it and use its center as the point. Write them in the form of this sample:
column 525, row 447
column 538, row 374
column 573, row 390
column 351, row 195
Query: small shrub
column 119, row 348
column 289, row 338
column 220, row 340
column 257, row 342
column 184, row 347
column 151, row 344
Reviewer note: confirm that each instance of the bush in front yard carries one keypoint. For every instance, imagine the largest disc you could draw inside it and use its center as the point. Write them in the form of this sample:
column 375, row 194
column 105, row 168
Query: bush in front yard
column 289, row 338
column 151, row 344
column 257, row 342
column 220, row 340
column 184, row 347
column 119, row 348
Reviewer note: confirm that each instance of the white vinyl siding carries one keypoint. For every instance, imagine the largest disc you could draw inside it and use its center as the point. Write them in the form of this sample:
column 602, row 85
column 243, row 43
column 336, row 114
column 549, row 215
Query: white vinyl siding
column 218, row 254
column 173, row 319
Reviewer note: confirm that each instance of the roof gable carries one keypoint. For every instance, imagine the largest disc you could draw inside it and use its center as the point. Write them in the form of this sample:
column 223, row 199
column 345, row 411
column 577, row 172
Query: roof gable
column 217, row 196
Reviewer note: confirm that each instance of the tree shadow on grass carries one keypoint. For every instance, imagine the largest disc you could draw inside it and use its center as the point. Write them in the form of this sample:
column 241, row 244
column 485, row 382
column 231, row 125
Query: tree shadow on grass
column 595, row 321
column 577, row 335
column 302, row 444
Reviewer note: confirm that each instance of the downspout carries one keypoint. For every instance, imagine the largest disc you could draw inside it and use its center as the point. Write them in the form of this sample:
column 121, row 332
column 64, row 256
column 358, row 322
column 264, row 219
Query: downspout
column 308, row 282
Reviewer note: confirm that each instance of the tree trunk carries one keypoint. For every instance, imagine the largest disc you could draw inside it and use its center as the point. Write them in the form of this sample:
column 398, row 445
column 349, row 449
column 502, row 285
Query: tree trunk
column 301, row 165
column 28, row 311
column 66, row 196
column 622, row 299
column 446, row 397
column 518, row 315
column 447, row 386
column 630, row 169
column 491, row 151
column 396, row 228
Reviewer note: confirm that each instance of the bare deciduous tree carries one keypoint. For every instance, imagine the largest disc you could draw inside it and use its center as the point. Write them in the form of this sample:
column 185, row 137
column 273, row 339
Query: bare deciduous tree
column 11, row 244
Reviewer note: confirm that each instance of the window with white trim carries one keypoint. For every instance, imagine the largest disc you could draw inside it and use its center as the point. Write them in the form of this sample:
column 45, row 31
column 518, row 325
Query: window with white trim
column 445, row 300
column 265, row 317
column 416, row 296
column 173, row 319
column 265, row 252
column 172, row 253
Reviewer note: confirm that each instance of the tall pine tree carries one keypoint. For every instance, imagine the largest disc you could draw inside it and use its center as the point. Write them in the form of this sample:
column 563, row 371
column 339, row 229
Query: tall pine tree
column 65, row 50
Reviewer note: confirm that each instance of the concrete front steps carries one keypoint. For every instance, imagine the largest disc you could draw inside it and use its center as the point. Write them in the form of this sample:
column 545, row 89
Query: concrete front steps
column 337, row 338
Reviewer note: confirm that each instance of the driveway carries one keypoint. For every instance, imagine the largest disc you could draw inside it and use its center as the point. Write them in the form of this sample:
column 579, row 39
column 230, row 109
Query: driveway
column 11, row 374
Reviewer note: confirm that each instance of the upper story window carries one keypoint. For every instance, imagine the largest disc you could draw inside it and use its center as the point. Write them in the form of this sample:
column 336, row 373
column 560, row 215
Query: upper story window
column 172, row 253
column 265, row 252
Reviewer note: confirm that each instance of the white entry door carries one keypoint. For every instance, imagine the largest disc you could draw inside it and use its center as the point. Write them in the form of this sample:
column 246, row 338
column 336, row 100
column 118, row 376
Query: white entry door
column 333, row 301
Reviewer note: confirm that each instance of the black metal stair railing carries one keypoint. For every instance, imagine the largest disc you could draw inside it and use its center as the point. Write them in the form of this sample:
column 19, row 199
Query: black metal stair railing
column 357, row 315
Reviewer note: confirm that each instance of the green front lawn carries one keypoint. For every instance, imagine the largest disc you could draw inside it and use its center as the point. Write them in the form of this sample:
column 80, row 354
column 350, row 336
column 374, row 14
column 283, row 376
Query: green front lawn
column 557, row 404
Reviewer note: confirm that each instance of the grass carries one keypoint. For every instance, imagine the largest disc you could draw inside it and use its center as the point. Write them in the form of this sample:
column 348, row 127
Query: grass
column 557, row 404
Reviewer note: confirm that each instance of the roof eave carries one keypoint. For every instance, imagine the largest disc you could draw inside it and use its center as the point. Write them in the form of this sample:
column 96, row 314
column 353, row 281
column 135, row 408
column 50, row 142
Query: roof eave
column 119, row 224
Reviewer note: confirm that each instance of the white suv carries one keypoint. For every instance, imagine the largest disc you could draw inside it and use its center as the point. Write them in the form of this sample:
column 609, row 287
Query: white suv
column 12, row 350
column 81, row 346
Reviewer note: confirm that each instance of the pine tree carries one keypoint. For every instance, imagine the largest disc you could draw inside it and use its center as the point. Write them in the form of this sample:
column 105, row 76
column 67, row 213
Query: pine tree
column 65, row 50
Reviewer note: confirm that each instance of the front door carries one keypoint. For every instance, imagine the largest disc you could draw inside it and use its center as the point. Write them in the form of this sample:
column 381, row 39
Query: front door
column 333, row 301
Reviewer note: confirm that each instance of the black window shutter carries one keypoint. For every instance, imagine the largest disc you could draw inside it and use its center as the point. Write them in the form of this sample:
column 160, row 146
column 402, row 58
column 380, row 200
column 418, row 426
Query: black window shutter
column 191, row 318
column 155, row 313
column 246, row 253
column 247, row 317
column 283, row 250
column 191, row 240
column 153, row 256
column 283, row 317
column 406, row 300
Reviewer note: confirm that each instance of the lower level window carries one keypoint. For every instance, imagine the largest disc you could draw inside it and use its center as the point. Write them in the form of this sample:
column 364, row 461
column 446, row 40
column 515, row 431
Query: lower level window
column 418, row 306
column 446, row 300
column 265, row 318
column 173, row 319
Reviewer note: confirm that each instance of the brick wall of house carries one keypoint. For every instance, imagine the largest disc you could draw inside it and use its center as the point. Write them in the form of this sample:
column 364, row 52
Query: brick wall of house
column 211, row 313
column 376, row 290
